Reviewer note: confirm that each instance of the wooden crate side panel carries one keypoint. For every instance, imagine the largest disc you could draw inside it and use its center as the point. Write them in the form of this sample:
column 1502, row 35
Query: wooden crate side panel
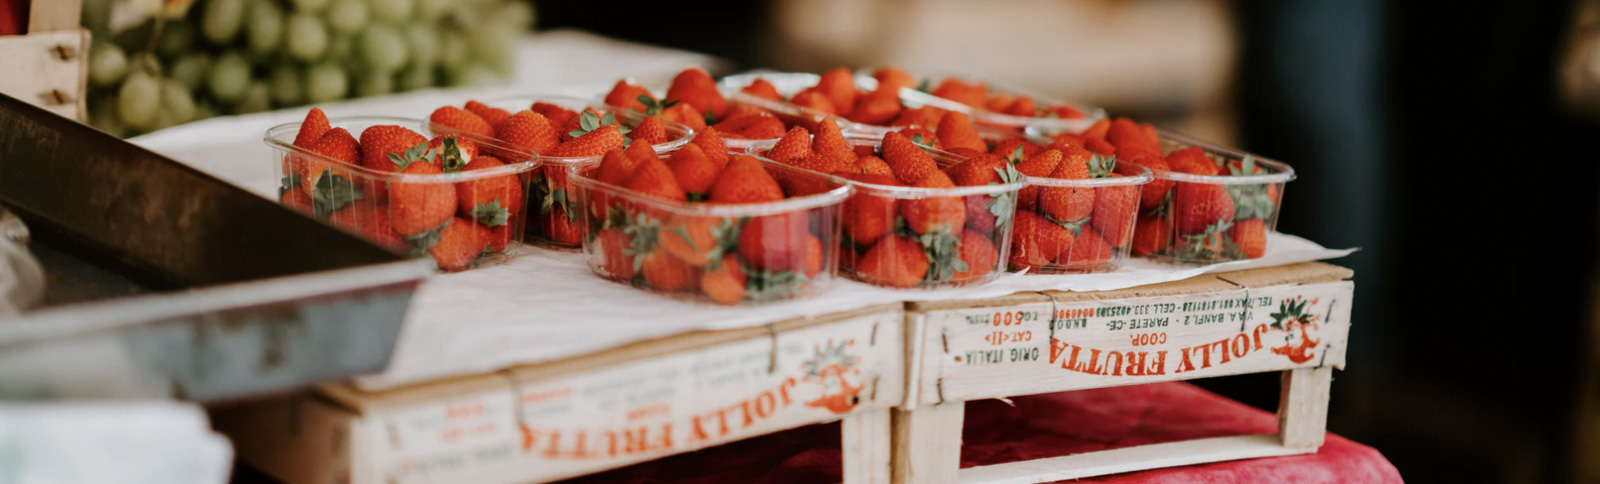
column 1049, row 347
column 297, row 439
column 1129, row 459
column 47, row 69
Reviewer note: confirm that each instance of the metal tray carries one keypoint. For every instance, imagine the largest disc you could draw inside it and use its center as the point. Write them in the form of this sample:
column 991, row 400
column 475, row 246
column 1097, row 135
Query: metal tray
column 167, row 282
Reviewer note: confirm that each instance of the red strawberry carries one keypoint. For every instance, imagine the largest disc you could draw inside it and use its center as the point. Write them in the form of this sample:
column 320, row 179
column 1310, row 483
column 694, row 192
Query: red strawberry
column 1114, row 210
column 775, row 242
column 560, row 229
column 1088, row 251
column 794, row 146
column 614, row 259
column 979, row 253
column 926, row 116
column 454, row 156
column 895, row 262
column 872, row 165
column 1036, row 242
column 312, row 128
column 763, row 89
column 491, row 201
column 1008, row 148
column 816, row 100
column 910, row 163
column 1069, row 204
column 693, row 239
column 376, row 227
column 650, row 131
column 665, row 272
column 1193, row 161
column 840, row 87
column 417, row 207
column 459, row 243
column 295, row 199
column 1151, row 234
column 693, row 170
column 338, row 145
column 922, row 136
column 594, row 143
column 1023, row 106
column 1251, row 236
column 499, row 237
column 694, row 86
column 979, row 216
column 1041, row 165
column 830, row 143
column 813, row 256
column 1154, row 192
column 654, row 179
column 529, row 130
column 817, row 163
column 867, row 217
column 893, row 79
column 979, row 170
column 1125, row 132
column 1151, row 136
column 754, row 126
column 724, row 283
column 616, row 168
column 1097, row 130
column 1197, row 206
column 557, row 114
column 745, row 180
column 1063, row 111
column 588, row 120
column 490, row 114
column 378, row 142
column 956, row 90
column 877, row 108
column 684, row 114
column 626, row 96
column 1099, row 146
column 711, row 144
column 956, row 131
column 462, row 120
column 935, row 214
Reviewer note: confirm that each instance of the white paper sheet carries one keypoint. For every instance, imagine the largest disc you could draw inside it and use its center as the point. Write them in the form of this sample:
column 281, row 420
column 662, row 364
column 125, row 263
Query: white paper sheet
column 126, row 442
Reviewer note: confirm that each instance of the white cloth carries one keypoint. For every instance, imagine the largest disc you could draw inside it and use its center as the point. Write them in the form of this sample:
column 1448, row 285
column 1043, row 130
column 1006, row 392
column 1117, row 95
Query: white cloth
column 124, row 442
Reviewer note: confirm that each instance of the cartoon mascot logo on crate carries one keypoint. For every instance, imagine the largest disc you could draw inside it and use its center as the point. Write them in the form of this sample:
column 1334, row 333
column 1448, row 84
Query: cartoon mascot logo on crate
column 1296, row 326
column 833, row 369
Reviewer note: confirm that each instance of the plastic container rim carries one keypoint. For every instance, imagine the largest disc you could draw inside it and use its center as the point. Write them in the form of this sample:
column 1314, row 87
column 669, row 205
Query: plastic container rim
column 831, row 197
column 683, row 131
column 944, row 158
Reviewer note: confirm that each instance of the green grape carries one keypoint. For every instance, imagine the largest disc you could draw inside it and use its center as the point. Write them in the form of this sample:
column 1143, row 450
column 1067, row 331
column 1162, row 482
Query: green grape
column 453, row 49
column 229, row 78
column 392, row 11
column 191, row 70
column 520, row 15
column 96, row 16
column 107, row 64
column 424, row 44
column 257, row 98
column 307, row 38
column 139, row 99
column 382, row 49
column 326, row 82
column 286, row 85
column 492, row 46
column 103, row 116
column 430, row 10
column 264, row 27
column 373, row 83
column 416, row 76
column 175, row 100
column 471, row 75
column 222, row 19
column 347, row 16
column 176, row 38
column 162, row 121
column 310, row 6
column 342, row 47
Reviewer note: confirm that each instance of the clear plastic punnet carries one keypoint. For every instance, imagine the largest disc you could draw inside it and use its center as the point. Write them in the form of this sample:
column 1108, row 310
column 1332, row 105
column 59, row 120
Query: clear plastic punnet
column 914, row 237
column 1202, row 219
column 462, row 211
column 551, row 196
column 1078, row 226
column 750, row 253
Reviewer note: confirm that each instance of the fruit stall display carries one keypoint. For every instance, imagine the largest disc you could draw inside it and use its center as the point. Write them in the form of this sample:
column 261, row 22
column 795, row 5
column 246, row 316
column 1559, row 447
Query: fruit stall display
column 158, row 64
column 565, row 132
column 988, row 105
column 713, row 225
column 458, row 198
column 920, row 217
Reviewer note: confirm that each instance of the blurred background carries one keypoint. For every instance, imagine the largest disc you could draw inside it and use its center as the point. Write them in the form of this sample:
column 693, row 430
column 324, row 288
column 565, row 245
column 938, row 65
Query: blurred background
column 1473, row 357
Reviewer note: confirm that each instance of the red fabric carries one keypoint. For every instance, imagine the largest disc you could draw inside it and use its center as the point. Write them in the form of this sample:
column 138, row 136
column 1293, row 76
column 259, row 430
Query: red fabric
column 10, row 14
column 1038, row 427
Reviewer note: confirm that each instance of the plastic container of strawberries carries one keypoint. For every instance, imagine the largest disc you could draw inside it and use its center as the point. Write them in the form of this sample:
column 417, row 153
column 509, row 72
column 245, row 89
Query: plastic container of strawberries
column 554, row 220
column 1088, row 228
column 395, row 209
column 783, row 250
column 1207, row 219
column 879, row 247
column 1043, row 126
column 788, row 84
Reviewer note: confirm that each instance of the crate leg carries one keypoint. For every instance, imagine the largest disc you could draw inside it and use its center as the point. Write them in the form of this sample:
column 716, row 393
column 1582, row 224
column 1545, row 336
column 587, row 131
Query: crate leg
column 1303, row 407
column 927, row 443
column 867, row 447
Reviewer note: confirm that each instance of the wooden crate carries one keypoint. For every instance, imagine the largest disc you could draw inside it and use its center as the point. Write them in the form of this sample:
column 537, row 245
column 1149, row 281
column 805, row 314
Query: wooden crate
column 48, row 67
column 595, row 412
column 1293, row 319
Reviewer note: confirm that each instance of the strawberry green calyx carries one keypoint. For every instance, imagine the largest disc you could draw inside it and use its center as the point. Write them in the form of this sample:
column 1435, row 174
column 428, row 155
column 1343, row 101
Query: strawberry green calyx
column 588, row 122
column 645, row 231
column 726, row 235
column 1004, row 205
column 1249, row 201
column 1207, row 244
column 653, row 107
column 491, row 214
column 413, row 154
column 420, row 243
column 332, row 193
column 711, row 118
column 918, row 139
column 1102, row 166
column 1017, row 156
column 288, row 182
column 944, row 255
column 1075, row 226
column 769, row 285
column 449, row 156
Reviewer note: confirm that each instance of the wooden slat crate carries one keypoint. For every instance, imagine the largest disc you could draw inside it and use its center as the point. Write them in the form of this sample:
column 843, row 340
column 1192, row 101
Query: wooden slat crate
column 48, row 67
column 1294, row 319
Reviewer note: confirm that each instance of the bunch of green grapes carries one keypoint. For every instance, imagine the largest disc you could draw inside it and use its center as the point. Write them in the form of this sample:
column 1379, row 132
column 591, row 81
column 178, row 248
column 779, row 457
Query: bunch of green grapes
column 242, row 56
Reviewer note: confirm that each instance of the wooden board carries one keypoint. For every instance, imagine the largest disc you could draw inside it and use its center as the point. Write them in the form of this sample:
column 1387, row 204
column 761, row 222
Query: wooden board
column 48, row 69
column 564, row 419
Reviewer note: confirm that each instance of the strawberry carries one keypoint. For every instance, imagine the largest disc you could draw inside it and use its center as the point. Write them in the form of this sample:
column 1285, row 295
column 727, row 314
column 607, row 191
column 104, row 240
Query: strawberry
column 754, row 126
column 665, row 272
column 593, row 143
column 895, row 262
column 588, row 120
column 614, row 259
column 710, row 143
column 956, row 90
column 1124, row 132
column 813, row 256
column 616, row 168
column 528, row 130
column 794, row 146
column 868, row 217
column 1042, row 165
column 1068, row 204
column 763, row 89
column 980, row 170
column 1198, row 207
column 499, row 237
column 693, row 170
column 461, row 120
column 872, row 165
column 490, row 114
column 378, row 142
column 640, row 152
column 1062, row 111
column 724, row 283
column 339, row 188
column 312, row 128
column 1154, row 192
column 1023, row 106
column 295, row 199
column 956, row 131
column 557, row 114
column 694, row 86
column 451, row 153
column 684, row 114
column 816, row 100
column 650, row 131
column 830, row 143
column 1151, row 234
column 1114, row 210
column 935, row 214
column 459, row 242
column 980, row 213
column 1250, row 235
column 1009, row 147
column 491, row 201
column 840, row 87
column 696, row 240
column 653, row 178
column 1088, row 251
column 560, row 228
column 418, row 207
column 877, row 107
column 1097, row 130
column 926, row 116
column 1036, row 242
column 816, row 162
column 1151, row 136
column 747, row 110
column 376, row 228
column 1099, row 146
column 775, row 242
column 1193, row 161
column 745, row 181
column 892, row 78
column 910, row 163
column 1068, row 139
column 922, row 136
column 998, row 102
column 626, row 96
column 979, row 253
